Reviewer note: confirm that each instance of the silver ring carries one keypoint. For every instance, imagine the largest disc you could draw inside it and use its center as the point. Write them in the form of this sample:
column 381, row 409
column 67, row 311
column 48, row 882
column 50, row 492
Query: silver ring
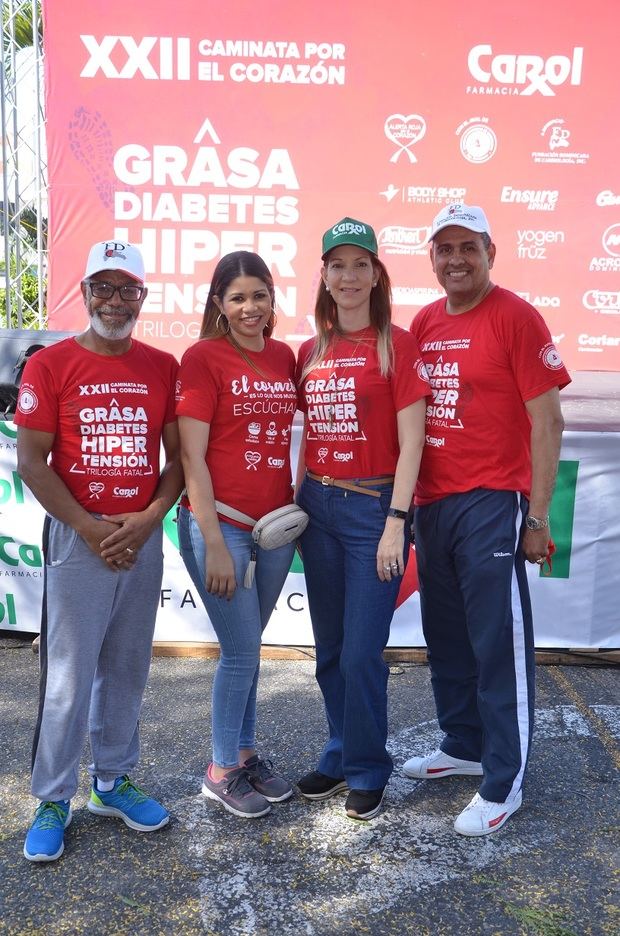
column 129, row 550
column 541, row 561
column 393, row 565
column 387, row 568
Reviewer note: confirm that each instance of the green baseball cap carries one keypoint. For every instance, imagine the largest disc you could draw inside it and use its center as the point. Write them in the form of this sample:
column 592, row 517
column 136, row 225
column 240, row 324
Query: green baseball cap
column 350, row 231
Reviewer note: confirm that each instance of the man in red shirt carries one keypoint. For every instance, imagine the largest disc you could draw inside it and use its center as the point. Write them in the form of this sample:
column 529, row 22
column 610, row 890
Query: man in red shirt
column 493, row 434
column 100, row 405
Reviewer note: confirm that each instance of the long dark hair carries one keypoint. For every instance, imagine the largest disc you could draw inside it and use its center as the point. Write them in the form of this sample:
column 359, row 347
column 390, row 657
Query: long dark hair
column 238, row 263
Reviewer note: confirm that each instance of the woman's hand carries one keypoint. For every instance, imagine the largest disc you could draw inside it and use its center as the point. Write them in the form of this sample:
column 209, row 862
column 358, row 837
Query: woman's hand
column 390, row 550
column 220, row 572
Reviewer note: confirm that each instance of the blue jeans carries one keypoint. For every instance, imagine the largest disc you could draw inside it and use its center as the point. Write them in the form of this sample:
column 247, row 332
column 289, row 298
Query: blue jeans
column 239, row 624
column 351, row 610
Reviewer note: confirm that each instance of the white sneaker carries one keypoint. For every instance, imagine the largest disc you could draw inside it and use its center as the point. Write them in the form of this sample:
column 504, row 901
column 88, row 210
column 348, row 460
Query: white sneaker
column 438, row 764
column 482, row 816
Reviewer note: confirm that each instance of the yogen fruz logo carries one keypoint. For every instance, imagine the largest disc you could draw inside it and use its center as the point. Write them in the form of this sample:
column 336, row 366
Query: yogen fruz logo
column 522, row 74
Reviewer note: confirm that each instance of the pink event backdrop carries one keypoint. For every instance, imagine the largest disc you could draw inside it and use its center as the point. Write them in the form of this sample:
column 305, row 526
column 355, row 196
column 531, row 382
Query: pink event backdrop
column 195, row 128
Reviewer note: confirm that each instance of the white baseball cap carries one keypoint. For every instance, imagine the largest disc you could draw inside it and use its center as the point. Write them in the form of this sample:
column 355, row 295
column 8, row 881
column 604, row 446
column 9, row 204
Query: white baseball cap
column 467, row 216
column 115, row 255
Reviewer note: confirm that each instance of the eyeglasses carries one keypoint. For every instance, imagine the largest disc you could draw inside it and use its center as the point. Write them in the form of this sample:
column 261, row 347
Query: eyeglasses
column 107, row 290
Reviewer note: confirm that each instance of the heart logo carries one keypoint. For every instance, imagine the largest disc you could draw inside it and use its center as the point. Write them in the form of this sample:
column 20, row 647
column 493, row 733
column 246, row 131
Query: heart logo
column 404, row 131
column 96, row 488
column 252, row 458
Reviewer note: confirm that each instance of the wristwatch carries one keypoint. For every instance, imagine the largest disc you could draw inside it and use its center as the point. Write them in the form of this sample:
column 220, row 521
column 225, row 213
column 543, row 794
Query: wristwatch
column 533, row 523
column 399, row 514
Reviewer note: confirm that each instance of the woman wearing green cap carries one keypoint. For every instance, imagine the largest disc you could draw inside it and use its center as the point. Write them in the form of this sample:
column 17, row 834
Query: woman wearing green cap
column 362, row 387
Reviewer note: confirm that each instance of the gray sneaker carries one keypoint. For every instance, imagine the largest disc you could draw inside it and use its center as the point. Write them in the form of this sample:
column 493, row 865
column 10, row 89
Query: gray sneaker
column 236, row 794
column 275, row 789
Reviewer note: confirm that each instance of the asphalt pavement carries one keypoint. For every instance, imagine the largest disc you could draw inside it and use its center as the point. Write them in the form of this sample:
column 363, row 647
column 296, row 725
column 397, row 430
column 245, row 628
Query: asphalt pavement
column 305, row 869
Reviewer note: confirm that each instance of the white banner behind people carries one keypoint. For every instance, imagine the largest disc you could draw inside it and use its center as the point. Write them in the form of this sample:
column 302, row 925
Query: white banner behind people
column 575, row 606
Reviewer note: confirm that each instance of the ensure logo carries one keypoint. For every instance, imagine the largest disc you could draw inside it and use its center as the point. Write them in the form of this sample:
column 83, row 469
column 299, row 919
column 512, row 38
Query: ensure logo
column 532, row 72
column 404, row 240
column 535, row 199
column 606, row 198
column 611, row 240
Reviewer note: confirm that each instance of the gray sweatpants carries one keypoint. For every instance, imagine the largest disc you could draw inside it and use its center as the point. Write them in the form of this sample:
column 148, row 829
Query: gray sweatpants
column 95, row 652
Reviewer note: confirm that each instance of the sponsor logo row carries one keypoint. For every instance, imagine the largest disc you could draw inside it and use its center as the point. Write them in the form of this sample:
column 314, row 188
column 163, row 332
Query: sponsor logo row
column 533, row 199
column 600, row 301
column 478, row 140
column 531, row 243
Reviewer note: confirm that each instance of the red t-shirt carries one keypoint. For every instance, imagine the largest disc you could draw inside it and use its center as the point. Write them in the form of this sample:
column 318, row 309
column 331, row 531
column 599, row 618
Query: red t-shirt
column 107, row 413
column 249, row 416
column 351, row 409
column 483, row 366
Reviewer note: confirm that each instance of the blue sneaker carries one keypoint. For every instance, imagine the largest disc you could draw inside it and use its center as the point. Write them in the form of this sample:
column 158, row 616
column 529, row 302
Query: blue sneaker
column 128, row 802
column 45, row 839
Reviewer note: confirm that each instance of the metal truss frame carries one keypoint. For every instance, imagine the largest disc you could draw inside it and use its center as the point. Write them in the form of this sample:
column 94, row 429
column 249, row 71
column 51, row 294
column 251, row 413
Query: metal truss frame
column 23, row 212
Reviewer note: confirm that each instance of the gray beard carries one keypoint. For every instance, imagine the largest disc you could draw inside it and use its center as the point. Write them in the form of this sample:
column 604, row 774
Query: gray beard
column 111, row 334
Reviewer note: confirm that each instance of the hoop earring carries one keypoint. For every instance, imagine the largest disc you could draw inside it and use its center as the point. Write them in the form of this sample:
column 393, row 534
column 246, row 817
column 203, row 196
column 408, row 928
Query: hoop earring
column 273, row 319
column 217, row 323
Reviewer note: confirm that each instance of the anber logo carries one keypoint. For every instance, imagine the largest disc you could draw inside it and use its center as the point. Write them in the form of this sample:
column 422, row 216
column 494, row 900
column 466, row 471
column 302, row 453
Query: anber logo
column 522, row 74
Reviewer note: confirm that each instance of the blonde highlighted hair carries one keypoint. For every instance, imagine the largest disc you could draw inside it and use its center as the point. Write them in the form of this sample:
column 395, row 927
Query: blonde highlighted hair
column 328, row 330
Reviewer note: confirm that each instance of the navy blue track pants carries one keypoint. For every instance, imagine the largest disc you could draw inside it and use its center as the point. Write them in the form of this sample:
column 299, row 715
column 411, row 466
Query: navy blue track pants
column 477, row 623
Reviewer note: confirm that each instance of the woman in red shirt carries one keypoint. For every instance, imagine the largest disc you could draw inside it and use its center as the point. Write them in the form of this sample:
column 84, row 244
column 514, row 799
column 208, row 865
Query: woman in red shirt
column 236, row 403
column 362, row 387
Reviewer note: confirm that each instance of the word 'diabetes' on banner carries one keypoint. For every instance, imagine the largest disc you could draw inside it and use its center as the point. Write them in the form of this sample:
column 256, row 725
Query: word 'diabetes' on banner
column 175, row 58
column 187, row 199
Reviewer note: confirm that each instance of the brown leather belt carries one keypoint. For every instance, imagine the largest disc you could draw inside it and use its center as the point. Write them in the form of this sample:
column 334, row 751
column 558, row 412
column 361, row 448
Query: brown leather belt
column 362, row 487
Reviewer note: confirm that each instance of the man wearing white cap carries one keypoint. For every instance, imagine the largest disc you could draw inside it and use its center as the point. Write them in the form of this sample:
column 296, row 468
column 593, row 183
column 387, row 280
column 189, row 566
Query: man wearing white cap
column 493, row 433
column 100, row 404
